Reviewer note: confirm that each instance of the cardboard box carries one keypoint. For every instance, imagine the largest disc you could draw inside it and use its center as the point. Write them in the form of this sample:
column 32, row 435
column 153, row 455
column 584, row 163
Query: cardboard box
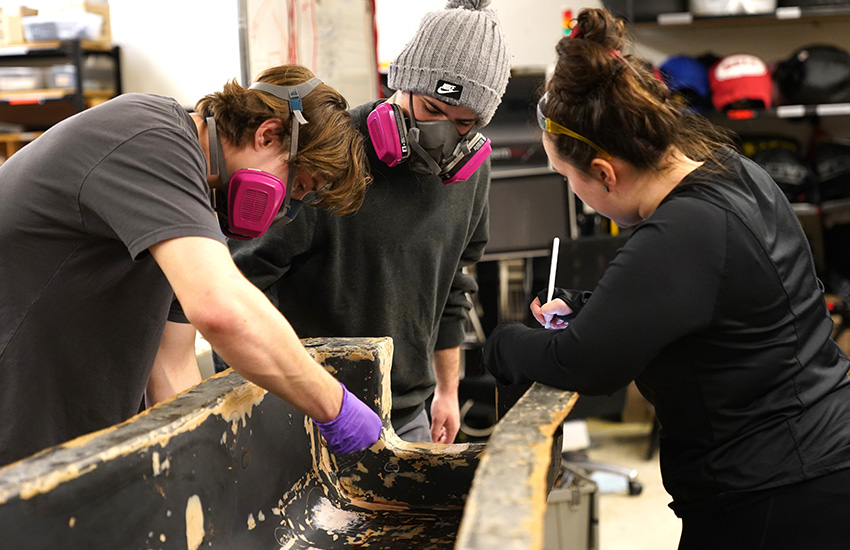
column 11, row 29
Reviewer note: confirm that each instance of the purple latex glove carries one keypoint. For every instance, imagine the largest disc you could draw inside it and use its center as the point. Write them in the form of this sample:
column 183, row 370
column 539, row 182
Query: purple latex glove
column 354, row 429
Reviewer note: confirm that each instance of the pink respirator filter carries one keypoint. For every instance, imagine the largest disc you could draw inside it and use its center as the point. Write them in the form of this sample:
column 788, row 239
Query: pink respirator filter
column 254, row 198
column 480, row 151
column 385, row 135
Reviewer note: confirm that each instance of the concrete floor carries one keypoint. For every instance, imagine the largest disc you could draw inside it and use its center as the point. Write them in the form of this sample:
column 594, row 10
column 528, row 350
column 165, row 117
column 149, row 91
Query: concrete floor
column 642, row 522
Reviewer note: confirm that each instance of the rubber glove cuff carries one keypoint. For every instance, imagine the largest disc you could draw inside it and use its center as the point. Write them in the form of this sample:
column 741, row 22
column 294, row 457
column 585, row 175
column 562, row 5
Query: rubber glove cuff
column 356, row 427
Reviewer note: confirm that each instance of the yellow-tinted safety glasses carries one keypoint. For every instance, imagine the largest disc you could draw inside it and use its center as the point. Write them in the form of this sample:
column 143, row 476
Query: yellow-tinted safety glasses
column 553, row 127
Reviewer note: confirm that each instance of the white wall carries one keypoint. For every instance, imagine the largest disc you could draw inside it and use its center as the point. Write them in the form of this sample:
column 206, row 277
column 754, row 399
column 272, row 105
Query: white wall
column 188, row 48
column 183, row 49
column 531, row 28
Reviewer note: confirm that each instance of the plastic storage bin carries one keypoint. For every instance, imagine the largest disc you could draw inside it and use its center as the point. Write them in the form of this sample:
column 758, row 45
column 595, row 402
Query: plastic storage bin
column 572, row 513
column 97, row 74
column 16, row 79
column 61, row 76
column 62, row 26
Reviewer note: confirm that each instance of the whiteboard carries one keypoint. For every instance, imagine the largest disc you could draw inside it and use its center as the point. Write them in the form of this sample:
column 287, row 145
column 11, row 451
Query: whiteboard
column 333, row 38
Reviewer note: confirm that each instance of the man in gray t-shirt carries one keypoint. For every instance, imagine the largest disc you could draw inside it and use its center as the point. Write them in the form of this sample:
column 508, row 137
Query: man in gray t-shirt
column 103, row 219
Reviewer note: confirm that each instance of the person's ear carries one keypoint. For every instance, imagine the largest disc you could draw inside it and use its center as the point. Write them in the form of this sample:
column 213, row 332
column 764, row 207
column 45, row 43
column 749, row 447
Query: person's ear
column 268, row 133
column 604, row 171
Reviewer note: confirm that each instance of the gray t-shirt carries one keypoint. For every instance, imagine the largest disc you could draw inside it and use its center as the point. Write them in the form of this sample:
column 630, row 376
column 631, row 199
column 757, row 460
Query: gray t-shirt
column 82, row 302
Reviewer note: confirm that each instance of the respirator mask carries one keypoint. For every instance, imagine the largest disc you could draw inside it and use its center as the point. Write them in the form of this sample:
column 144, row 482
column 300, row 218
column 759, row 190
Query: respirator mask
column 432, row 147
column 250, row 201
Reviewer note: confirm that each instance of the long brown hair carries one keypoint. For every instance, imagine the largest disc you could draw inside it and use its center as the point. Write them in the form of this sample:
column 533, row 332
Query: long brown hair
column 616, row 101
column 329, row 146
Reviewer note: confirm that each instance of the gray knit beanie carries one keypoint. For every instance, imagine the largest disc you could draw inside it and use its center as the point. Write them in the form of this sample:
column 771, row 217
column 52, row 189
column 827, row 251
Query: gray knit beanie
column 458, row 56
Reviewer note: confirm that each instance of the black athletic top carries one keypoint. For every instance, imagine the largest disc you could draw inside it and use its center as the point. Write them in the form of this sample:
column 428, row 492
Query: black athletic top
column 713, row 307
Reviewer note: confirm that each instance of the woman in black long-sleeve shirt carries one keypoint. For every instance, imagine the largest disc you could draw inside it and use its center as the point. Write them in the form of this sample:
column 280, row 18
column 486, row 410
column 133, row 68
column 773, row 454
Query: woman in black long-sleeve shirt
column 712, row 307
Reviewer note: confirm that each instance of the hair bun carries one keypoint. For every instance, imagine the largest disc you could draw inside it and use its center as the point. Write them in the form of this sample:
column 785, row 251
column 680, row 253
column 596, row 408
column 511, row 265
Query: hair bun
column 468, row 4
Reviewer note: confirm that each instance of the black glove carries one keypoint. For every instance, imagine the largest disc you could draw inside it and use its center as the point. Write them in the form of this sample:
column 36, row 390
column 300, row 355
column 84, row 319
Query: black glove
column 573, row 298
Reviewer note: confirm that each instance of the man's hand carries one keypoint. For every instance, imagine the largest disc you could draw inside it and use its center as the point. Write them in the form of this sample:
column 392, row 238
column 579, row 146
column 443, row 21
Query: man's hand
column 356, row 427
column 445, row 412
column 445, row 417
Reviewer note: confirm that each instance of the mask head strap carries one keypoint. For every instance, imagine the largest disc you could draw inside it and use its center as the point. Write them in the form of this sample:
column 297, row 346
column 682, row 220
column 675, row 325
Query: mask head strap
column 292, row 95
column 217, row 166
column 413, row 141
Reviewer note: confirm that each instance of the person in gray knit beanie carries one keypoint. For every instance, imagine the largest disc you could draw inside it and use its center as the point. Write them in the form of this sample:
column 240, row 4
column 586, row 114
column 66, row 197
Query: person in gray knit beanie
column 396, row 267
column 459, row 56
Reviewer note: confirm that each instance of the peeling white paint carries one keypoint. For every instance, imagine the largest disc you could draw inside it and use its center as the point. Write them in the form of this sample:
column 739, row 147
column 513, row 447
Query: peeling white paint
column 159, row 466
column 330, row 518
column 194, row 523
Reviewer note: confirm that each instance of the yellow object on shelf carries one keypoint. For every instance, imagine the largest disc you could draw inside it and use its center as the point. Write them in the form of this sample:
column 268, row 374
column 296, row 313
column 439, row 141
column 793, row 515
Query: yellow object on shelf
column 11, row 29
column 12, row 143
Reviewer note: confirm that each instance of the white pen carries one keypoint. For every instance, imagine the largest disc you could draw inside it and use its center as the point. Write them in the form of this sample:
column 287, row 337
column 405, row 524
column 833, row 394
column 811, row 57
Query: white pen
column 552, row 269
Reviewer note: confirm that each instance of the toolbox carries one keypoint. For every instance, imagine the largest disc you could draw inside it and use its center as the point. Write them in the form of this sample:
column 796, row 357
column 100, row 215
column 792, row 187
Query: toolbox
column 572, row 512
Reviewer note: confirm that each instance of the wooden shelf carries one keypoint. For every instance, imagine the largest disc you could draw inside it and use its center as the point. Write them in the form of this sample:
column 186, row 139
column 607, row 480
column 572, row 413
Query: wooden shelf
column 41, row 108
column 51, row 94
column 12, row 143
column 31, row 48
column 781, row 111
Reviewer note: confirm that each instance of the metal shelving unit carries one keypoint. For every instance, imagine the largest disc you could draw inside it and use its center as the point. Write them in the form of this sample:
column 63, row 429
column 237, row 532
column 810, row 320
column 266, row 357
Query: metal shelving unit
column 815, row 218
column 785, row 14
column 38, row 109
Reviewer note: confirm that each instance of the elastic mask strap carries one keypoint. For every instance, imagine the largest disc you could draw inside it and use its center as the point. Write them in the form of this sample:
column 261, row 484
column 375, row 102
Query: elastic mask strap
column 217, row 168
column 292, row 95
column 413, row 142
column 217, row 165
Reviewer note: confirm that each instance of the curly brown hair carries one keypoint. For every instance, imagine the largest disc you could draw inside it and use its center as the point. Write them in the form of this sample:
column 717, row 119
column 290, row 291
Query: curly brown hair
column 616, row 101
column 329, row 147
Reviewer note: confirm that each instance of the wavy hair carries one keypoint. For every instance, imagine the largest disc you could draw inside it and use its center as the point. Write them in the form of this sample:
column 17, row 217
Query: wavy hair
column 617, row 102
column 328, row 146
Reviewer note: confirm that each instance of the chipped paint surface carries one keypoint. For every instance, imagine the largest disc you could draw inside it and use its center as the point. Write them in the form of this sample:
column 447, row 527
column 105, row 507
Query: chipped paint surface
column 240, row 404
column 22, row 478
column 194, row 523
column 43, row 484
column 159, row 467
column 510, row 515
column 332, row 519
column 271, row 468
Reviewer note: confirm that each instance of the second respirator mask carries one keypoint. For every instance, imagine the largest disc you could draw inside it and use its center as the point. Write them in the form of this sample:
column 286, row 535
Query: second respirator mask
column 432, row 147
